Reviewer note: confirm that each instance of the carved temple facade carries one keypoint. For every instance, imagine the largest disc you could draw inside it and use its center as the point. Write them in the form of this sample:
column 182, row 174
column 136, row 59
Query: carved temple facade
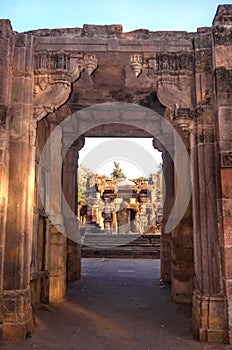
column 85, row 77
column 121, row 206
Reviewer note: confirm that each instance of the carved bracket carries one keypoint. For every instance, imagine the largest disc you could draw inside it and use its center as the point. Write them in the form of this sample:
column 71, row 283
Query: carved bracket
column 90, row 63
column 183, row 118
column 174, row 92
column 136, row 64
column 53, row 76
column 172, row 73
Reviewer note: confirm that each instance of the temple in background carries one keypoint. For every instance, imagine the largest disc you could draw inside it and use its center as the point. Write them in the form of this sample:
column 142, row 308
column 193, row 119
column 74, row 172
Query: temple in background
column 121, row 206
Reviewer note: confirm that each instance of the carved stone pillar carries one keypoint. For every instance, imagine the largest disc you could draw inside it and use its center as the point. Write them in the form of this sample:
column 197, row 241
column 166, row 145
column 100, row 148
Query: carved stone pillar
column 16, row 316
column 58, row 241
column 168, row 184
column 70, row 190
column 209, row 309
column 223, row 96
column 6, row 46
column 208, row 313
column 182, row 235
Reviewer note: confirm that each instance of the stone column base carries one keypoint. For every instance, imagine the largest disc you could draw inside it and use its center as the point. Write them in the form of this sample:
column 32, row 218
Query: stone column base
column 16, row 321
column 182, row 290
column 209, row 322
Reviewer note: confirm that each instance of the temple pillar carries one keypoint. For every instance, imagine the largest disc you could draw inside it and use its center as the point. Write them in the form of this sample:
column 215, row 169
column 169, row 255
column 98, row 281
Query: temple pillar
column 208, row 300
column 16, row 311
column 223, row 96
column 168, row 191
column 58, row 241
column 70, row 190
column 209, row 308
column 182, row 235
column 6, row 46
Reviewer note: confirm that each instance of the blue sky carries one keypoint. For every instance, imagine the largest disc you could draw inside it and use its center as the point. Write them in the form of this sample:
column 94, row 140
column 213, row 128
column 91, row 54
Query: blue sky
column 132, row 14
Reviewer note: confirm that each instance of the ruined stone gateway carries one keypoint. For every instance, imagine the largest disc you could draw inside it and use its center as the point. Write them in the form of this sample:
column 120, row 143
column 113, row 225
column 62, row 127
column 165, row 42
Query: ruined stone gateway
column 47, row 76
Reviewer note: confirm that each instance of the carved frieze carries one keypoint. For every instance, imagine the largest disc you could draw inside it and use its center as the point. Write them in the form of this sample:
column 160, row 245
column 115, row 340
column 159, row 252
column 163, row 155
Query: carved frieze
column 163, row 63
column 53, row 74
column 226, row 159
column 172, row 63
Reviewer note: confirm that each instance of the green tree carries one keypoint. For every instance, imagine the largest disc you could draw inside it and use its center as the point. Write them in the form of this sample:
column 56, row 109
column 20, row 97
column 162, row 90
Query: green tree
column 117, row 173
column 83, row 174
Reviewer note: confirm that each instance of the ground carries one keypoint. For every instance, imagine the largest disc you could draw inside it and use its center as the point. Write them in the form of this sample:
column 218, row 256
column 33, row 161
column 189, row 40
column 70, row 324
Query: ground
column 118, row 304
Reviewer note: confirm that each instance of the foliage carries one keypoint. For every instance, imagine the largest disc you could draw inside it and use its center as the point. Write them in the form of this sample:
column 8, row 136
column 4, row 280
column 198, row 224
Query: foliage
column 117, row 173
column 83, row 174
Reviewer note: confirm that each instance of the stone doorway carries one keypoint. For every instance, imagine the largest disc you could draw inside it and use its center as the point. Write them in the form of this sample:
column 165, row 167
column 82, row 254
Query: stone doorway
column 68, row 143
column 185, row 79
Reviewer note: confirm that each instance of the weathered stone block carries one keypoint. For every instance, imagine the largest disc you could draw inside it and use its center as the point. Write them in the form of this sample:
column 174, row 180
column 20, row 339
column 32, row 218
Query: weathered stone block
column 227, row 228
column 182, row 288
column 226, row 176
column 182, row 254
column 225, row 123
column 17, row 331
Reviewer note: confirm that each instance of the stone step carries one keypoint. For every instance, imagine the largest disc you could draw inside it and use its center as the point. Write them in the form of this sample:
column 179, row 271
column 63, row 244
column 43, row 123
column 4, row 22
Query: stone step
column 105, row 240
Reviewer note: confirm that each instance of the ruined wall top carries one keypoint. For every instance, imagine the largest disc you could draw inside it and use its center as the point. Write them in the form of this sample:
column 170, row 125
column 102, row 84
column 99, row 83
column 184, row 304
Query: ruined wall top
column 223, row 15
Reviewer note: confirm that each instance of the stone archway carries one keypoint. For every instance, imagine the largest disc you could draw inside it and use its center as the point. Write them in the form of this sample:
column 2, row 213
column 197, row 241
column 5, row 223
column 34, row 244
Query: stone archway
column 190, row 74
